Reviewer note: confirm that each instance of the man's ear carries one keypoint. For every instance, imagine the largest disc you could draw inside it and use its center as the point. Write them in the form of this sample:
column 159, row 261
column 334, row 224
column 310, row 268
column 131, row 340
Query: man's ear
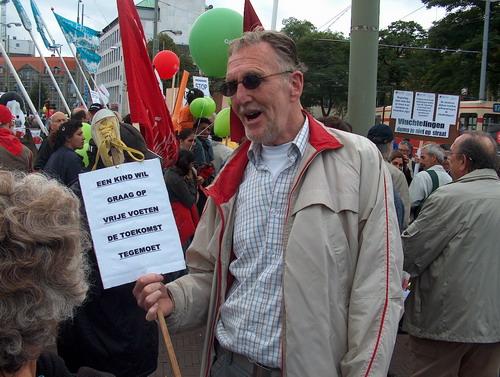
column 297, row 85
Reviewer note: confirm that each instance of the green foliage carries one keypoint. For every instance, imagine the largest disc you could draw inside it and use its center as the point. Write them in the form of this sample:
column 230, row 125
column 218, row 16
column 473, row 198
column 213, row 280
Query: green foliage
column 442, row 70
column 327, row 60
column 38, row 94
column 398, row 67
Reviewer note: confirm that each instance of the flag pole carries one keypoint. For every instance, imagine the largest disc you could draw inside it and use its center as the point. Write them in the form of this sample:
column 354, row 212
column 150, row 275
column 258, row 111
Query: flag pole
column 23, row 90
column 77, row 61
column 56, row 85
column 27, row 26
column 62, row 61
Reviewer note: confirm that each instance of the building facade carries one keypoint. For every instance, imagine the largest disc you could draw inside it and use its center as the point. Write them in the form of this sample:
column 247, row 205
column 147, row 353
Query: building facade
column 36, row 80
column 173, row 17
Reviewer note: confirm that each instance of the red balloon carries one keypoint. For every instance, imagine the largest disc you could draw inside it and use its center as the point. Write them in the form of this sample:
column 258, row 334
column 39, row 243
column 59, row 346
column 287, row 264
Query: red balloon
column 166, row 63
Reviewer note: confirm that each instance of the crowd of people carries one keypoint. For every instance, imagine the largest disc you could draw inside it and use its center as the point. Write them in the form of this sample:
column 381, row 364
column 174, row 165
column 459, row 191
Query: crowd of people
column 299, row 244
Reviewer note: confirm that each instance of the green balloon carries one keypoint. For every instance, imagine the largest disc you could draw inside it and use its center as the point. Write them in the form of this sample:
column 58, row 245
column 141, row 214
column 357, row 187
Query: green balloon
column 83, row 152
column 221, row 124
column 210, row 107
column 209, row 39
column 87, row 133
column 202, row 107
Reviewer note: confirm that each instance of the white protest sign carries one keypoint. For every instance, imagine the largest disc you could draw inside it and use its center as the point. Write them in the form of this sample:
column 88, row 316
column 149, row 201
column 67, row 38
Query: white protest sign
column 103, row 94
column 424, row 106
column 422, row 127
column 402, row 102
column 447, row 108
column 96, row 98
column 131, row 222
column 202, row 84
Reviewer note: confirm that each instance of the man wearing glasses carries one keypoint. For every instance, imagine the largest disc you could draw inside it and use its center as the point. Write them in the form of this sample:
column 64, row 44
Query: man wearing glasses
column 296, row 264
column 452, row 253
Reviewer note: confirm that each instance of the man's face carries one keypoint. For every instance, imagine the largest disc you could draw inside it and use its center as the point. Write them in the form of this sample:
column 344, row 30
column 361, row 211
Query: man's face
column 204, row 130
column 405, row 150
column 56, row 120
column 427, row 160
column 265, row 110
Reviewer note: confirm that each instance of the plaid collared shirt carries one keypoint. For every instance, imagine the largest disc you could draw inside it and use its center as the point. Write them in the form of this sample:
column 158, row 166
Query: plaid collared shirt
column 250, row 321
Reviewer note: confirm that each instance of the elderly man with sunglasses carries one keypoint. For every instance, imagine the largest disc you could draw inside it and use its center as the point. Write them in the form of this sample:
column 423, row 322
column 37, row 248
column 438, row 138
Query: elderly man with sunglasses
column 296, row 263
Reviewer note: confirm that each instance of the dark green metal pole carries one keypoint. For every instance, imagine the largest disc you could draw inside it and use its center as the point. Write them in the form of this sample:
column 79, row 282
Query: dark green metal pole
column 363, row 64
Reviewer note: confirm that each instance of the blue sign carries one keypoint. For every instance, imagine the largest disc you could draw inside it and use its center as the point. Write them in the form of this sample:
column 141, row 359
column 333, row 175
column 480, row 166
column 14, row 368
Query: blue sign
column 496, row 107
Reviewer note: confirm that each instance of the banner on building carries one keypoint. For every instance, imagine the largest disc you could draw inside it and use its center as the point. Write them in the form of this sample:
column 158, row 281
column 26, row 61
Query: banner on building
column 85, row 39
column 424, row 114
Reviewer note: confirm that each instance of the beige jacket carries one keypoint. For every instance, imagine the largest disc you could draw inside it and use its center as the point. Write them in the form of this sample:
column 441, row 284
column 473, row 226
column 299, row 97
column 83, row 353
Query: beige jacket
column 342, row 297
column 452, row 252
column 400, row 185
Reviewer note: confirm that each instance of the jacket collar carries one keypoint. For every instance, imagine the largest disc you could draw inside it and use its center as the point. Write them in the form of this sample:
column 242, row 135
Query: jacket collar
column 478, row 174
column 228, row 181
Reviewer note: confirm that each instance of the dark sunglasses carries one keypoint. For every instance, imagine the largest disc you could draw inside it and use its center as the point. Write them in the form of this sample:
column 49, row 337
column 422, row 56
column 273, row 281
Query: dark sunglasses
column 249, row 81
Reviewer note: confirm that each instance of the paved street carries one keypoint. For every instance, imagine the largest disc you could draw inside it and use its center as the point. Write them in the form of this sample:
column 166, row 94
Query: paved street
column 188, row 346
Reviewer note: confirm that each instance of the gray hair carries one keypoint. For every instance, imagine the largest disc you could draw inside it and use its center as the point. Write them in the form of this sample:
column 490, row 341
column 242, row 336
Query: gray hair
column 43, row 273
column 436, row 151
column 283, row 45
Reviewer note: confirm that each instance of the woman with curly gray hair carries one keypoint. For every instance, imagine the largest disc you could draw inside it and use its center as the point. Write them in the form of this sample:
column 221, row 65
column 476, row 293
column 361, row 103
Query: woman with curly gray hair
column 42, row 267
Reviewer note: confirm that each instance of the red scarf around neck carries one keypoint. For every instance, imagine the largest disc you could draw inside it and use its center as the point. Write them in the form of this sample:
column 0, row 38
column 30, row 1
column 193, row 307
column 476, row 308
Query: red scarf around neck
column 10, row 142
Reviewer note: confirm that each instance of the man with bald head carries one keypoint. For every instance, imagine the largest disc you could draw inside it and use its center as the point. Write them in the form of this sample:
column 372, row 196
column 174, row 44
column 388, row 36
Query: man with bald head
column 452, row 254
column 47, row 146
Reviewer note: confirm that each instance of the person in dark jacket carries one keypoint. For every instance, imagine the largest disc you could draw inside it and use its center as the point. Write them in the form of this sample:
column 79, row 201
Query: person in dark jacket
column 109, row 332
column 64, row 164
column 47, row 147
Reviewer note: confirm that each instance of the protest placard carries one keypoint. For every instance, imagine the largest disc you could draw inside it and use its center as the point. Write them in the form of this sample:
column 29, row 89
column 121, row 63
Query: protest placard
column 131, row 222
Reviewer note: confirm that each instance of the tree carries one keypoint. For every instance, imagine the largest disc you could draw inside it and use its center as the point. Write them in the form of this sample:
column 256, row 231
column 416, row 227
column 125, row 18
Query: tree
column 400, row 67
column 297, row 29
column 38, row 94
column 463, row 29
column 327, row 62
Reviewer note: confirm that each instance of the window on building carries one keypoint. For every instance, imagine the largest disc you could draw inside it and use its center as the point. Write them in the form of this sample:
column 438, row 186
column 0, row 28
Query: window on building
column 468, row 121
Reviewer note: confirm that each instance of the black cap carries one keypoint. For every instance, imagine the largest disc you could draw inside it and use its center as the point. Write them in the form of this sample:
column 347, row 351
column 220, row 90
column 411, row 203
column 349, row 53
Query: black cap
column 380, row 134
column 95, row 107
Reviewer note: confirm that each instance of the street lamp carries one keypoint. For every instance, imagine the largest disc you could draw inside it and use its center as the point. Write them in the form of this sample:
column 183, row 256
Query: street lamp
column 484, row 55
column 156, row 38
column 174, row 32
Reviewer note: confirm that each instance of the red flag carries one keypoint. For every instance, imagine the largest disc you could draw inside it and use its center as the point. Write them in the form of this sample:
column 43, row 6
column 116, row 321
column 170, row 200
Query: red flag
column 250, row 18
column 147, row 105
column 250, row 22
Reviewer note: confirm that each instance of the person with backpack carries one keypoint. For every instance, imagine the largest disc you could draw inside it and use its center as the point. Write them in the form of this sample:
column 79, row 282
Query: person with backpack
column 428, row 180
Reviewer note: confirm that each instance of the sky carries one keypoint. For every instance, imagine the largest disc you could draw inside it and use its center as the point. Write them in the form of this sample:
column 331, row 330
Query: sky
column 99, row 13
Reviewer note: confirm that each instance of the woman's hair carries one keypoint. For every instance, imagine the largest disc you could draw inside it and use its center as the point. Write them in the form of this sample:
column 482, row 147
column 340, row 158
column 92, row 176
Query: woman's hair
column 184, row 161
column 336, row 122
column 396, row 154
column 185, row 133
column 66, row 131
column 43, row 273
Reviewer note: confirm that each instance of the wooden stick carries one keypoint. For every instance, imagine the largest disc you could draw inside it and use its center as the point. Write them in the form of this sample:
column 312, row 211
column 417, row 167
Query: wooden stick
column 168, row 343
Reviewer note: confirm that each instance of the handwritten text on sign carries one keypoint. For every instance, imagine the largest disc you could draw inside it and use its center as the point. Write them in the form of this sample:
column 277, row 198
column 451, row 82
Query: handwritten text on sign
column 131, row 222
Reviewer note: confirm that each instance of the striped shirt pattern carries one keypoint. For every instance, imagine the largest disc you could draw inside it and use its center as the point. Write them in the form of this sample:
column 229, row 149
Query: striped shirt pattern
column 250, row 320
